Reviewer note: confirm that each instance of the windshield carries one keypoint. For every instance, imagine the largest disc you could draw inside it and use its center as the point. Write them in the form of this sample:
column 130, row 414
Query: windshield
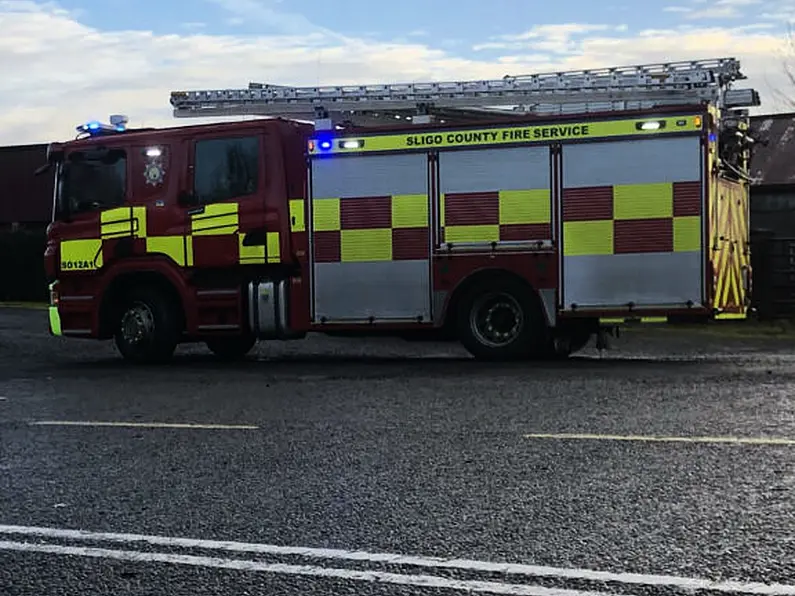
column 91, row 181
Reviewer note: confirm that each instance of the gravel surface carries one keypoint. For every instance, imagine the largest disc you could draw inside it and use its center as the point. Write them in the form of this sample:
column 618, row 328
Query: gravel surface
column 392, row 447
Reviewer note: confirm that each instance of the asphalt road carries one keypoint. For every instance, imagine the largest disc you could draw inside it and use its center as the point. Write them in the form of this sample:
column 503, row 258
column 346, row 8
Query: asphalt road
column 390, row 447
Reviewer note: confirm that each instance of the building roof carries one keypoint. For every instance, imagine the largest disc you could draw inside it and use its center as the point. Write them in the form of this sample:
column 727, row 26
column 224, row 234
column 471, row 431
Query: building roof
column 773, row 159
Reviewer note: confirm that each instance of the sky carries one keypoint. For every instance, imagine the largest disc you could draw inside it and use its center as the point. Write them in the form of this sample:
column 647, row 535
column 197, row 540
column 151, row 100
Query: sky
column 64, row 63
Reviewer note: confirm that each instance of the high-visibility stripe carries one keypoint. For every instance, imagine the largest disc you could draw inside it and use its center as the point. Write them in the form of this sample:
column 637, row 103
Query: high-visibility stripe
column 178, row 248
column 496, row 216
column 217, row 218
column 466, row 218
column 643, row 201
column 123, row 221
column 326, row 215
column 470, row 234
column 259, row 254
column 55, row 320
column 630, row 320
column 637, row 218
column 687, row 234
column 81, row 255
column 731, row 316
column 730, row 235
column 525, row 206
column 273, row 247
column 519, row 134
column 297, row 218
column 250, row 255
column 409, row 211
column 366, row 245
column 588, row 237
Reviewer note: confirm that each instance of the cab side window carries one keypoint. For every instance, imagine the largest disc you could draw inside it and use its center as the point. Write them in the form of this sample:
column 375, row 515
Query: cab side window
column 226, row 169
column 94, row 181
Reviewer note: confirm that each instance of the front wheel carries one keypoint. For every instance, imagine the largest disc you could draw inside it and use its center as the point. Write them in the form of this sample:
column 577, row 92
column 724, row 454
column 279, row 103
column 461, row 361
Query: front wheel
column 231, row 348
column 148, row 330
column 502, row 322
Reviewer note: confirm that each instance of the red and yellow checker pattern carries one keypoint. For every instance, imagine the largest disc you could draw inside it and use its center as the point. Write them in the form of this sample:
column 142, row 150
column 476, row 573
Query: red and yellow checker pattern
column 370, row 229
column 214, row 236
column 498, row 216
column 633, row 218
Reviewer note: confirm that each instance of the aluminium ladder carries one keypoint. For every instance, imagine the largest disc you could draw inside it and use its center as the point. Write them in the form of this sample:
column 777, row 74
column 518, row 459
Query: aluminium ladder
column 606, row 89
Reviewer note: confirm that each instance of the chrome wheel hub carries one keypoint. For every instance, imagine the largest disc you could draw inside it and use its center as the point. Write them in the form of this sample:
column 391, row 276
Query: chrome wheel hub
column 497, row 319
column 137, row 324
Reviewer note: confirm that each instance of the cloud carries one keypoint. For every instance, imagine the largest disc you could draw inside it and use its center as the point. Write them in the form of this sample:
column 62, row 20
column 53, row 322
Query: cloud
column 59, row 72
column 732, row 9
column 272, row 15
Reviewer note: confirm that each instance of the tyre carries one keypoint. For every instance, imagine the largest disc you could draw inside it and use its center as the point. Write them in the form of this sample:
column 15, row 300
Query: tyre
column 149, row 326
column 501, row 321
column 567, row 344
column 231, row 348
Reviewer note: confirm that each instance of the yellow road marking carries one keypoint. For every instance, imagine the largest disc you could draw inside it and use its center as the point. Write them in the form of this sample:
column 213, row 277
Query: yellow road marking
column 145, row 425
column 663, row 439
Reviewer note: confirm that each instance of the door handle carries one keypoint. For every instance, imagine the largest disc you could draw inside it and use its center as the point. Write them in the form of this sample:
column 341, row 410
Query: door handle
column 196, row 211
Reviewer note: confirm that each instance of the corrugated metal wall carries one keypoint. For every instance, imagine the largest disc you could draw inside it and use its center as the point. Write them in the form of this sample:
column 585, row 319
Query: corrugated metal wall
column 24, row 198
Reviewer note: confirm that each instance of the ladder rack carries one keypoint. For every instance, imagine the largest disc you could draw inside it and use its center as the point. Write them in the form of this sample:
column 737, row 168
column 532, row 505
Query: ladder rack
column 605, row 89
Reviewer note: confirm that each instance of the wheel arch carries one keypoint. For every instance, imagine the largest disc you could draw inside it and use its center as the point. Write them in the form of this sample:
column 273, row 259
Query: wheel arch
column 154, row 274
column 483, row 276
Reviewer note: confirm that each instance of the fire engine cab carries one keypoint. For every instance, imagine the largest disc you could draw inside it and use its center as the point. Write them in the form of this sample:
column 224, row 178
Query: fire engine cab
column 421, row 211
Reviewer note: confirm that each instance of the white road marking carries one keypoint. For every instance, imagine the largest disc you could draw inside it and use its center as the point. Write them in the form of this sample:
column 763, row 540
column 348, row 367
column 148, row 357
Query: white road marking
column 425, row 581
column 144, row 425
column 416, row 561
column 664, row 439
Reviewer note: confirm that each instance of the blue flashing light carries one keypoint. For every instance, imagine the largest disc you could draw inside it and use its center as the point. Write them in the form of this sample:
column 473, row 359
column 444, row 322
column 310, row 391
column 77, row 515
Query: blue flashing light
column 96, row 128
column 325, row 145
column 712, row 137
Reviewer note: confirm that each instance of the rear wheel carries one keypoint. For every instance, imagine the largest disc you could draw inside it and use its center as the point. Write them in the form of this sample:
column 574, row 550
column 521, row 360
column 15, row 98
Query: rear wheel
column 501, row 322
column 148, row 328
column 231, row 348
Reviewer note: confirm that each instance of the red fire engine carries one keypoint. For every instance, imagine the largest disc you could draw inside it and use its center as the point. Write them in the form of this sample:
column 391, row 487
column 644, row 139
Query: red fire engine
column 521, row 234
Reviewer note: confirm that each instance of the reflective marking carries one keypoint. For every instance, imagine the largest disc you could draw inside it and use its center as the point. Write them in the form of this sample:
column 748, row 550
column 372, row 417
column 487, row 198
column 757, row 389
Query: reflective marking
column 684, row 583
column 144, row 425
column 544, row 133
column 424, row 581
column 662, row 439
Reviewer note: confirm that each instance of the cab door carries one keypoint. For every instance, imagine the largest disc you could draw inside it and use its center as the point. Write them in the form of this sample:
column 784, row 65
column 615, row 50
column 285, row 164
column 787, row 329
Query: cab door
column 223, row 200
column 91, row 183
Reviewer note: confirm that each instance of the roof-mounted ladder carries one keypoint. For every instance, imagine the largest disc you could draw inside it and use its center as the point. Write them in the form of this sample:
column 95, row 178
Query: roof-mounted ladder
column 607, row 89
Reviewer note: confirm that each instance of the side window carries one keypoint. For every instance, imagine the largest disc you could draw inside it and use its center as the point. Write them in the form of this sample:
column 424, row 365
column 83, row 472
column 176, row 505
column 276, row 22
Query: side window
column 94, row 180
column 226, row 168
